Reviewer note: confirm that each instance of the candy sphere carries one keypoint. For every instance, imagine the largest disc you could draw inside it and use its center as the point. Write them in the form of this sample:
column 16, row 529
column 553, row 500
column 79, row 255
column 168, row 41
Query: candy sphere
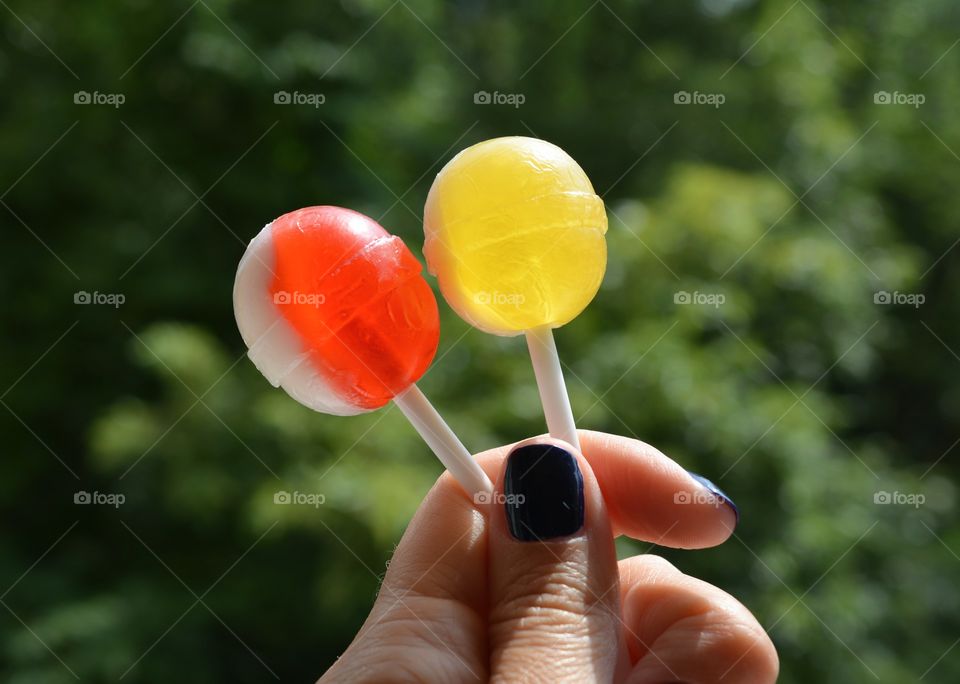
column 335, row 310
column 515, row 235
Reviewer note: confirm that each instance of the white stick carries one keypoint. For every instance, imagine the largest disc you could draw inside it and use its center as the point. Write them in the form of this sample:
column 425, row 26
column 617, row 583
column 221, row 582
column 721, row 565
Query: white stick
column 441, row 440
column 553, row 391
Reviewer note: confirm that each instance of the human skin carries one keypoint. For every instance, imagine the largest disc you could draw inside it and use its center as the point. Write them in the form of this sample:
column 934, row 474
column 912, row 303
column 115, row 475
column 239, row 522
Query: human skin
column 464, row 600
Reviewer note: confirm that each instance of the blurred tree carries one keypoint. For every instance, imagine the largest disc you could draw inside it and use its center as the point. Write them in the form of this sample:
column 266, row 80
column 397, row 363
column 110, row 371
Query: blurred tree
column 781, row 216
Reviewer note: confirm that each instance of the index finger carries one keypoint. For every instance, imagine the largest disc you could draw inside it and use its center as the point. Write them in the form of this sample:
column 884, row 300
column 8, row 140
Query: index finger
column 652, row 498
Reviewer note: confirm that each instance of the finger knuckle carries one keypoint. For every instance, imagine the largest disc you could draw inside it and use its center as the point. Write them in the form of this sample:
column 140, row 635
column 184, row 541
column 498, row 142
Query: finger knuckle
column 654, row 567
column 740, row 650
column 551, row 591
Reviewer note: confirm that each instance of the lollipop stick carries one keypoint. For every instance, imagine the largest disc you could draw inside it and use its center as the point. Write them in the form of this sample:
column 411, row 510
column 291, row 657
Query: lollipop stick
column 441, row 440
column 553, row 391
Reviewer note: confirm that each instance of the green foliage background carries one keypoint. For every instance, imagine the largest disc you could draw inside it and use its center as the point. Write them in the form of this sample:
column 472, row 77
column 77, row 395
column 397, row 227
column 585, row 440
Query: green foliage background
column 798, row 199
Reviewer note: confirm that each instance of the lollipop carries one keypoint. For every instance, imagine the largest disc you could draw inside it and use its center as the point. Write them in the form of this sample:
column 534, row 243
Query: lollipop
column 515, row 235
column 335, row 310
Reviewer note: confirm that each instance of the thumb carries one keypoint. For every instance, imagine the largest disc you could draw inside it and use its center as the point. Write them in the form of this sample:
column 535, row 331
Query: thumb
column 554, row 594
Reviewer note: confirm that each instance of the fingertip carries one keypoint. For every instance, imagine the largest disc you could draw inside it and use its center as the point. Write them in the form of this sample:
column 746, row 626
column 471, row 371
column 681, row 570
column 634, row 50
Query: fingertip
column 543, row 491
column 652, row 498
column 719, row 494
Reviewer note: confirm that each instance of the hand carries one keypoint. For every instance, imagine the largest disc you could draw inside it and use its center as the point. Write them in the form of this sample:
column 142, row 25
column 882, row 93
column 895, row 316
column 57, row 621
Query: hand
column 527, row 587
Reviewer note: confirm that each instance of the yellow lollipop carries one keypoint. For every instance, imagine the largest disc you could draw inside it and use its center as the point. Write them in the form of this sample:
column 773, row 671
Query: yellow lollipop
column 515, row 235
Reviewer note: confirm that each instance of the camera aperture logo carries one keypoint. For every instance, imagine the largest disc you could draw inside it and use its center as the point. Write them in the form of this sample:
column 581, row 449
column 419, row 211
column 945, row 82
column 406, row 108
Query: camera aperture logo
column 714, row 299
column 499, row 498
column 914, row 299
column 515, row 100
column 282, row 97
column 314, row 299
column 514, row 299
column 882, row 97
column 114, row 299
column 115, row 100
column 682, row 97
column 285, row 498
column 704, row 497
column 83, row 498
column 883, row 498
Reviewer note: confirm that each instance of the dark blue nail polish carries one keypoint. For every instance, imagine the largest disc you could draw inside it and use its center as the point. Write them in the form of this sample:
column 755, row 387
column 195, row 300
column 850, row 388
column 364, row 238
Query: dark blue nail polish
column 543, row 493
column 716, row 491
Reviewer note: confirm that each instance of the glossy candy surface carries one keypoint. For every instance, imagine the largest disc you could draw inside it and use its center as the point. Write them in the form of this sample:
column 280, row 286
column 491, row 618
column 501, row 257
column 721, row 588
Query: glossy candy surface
column 335, row 310
column 515, row 235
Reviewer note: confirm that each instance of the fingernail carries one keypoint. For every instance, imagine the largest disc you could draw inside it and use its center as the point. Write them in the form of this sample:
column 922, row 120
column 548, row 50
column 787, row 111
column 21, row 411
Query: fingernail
column 543, row 489
column 716, row 491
